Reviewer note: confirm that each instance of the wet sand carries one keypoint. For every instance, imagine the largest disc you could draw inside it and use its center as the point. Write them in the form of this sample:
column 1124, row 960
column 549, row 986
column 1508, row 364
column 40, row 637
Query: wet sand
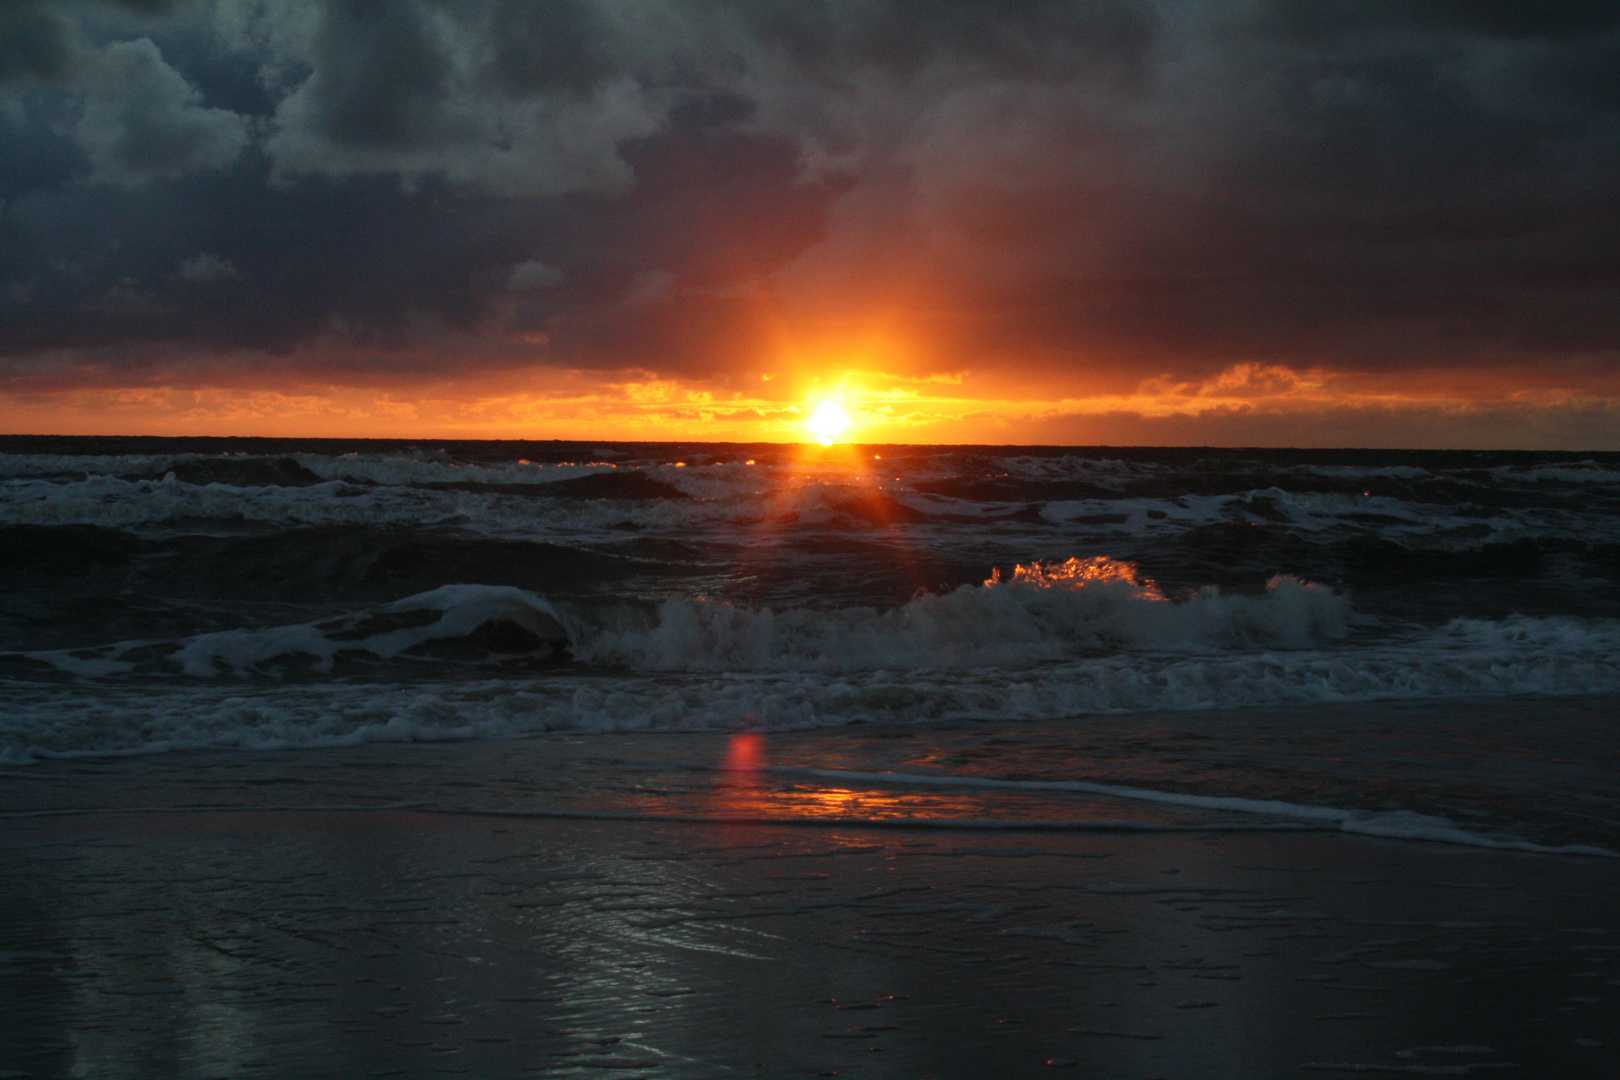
column 194, row 941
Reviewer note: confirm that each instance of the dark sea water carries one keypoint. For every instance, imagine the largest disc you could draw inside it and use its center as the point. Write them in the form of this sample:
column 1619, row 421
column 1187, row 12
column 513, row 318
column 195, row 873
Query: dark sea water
column 1401, row 643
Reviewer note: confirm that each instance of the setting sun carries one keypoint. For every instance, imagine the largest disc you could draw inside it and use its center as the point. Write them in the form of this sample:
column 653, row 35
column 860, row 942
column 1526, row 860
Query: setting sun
column 828, row 422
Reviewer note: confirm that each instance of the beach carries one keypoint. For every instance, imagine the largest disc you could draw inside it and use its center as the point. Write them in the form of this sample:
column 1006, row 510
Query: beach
column 498, row 908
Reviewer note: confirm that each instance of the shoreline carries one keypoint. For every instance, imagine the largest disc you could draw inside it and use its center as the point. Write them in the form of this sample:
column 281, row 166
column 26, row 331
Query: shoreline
column 1523, row 773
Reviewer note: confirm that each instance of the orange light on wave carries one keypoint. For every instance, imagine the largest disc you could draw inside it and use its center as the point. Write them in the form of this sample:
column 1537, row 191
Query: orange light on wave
column 1074, row 573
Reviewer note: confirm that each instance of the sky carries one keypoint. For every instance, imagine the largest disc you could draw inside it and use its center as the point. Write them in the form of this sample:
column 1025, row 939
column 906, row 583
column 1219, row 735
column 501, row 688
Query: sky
column 1166, row 222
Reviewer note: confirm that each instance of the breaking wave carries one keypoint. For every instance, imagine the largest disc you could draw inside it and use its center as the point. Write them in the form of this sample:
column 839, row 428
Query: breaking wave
column 1040, row 613
column 1050, row 640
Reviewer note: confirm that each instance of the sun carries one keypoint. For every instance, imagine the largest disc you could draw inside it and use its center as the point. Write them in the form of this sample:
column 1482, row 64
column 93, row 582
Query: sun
column 828, row 422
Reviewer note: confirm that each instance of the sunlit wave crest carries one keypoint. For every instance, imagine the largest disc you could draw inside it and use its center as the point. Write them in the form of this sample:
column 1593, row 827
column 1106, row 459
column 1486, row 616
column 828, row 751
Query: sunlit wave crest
column 1077, row 573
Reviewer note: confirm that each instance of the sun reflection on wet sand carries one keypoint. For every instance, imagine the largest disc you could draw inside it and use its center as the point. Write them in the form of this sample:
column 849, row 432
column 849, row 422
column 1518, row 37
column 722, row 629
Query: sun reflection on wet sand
column 745, row 757
column 745, row 786
column 741, row 774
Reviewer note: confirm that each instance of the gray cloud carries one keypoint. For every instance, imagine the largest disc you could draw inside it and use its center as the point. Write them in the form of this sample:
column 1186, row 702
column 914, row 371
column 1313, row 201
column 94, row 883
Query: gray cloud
column 549, row 48
column 204, row 268
column 534, row 276
column 379, row 78
column 415, row 89
column 1418, row 182
column 1501, row 19
column 142, row 119
column 34, row 42
column 1097, row 39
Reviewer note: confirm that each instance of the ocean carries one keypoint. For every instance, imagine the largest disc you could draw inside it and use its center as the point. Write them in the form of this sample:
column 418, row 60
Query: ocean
column 1417, row 644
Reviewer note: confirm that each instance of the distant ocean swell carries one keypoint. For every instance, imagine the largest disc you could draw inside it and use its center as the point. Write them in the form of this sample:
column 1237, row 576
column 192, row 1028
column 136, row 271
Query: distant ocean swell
column 1454, row 510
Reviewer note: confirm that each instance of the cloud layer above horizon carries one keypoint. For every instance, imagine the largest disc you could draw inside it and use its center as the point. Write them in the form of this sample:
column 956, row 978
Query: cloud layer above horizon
column 1064, row 209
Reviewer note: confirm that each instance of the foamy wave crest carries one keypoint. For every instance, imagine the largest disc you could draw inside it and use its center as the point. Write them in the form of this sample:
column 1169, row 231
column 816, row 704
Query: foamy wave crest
column 112, row 718
column 1581, row 472
column 455, row 622
column 1517, row 656
column 1042, row 612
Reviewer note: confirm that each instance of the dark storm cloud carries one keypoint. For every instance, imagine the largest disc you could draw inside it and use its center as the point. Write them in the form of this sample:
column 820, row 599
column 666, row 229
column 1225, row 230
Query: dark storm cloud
column 546, row 48
column 379, row 77
column 1392, row 193
column 141, row 120
column 1327, row 19
column 1009, row 38
column 38, row 38
column 363, row 261
column 1113, row 185
column 33, row 42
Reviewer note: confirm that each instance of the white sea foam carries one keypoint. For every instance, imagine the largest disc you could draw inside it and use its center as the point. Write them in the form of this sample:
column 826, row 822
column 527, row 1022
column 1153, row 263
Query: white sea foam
column 461, row 610
column 1584, row 472
column 1008, row 623
column 1516, row 656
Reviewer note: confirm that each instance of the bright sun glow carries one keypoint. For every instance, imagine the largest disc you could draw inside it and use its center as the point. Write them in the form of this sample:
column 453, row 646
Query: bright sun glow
column 828, row 422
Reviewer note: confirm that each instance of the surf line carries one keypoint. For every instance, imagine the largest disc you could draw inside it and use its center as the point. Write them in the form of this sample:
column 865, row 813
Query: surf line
column 841, row 822
column 1392, row 825
column 223, row 808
